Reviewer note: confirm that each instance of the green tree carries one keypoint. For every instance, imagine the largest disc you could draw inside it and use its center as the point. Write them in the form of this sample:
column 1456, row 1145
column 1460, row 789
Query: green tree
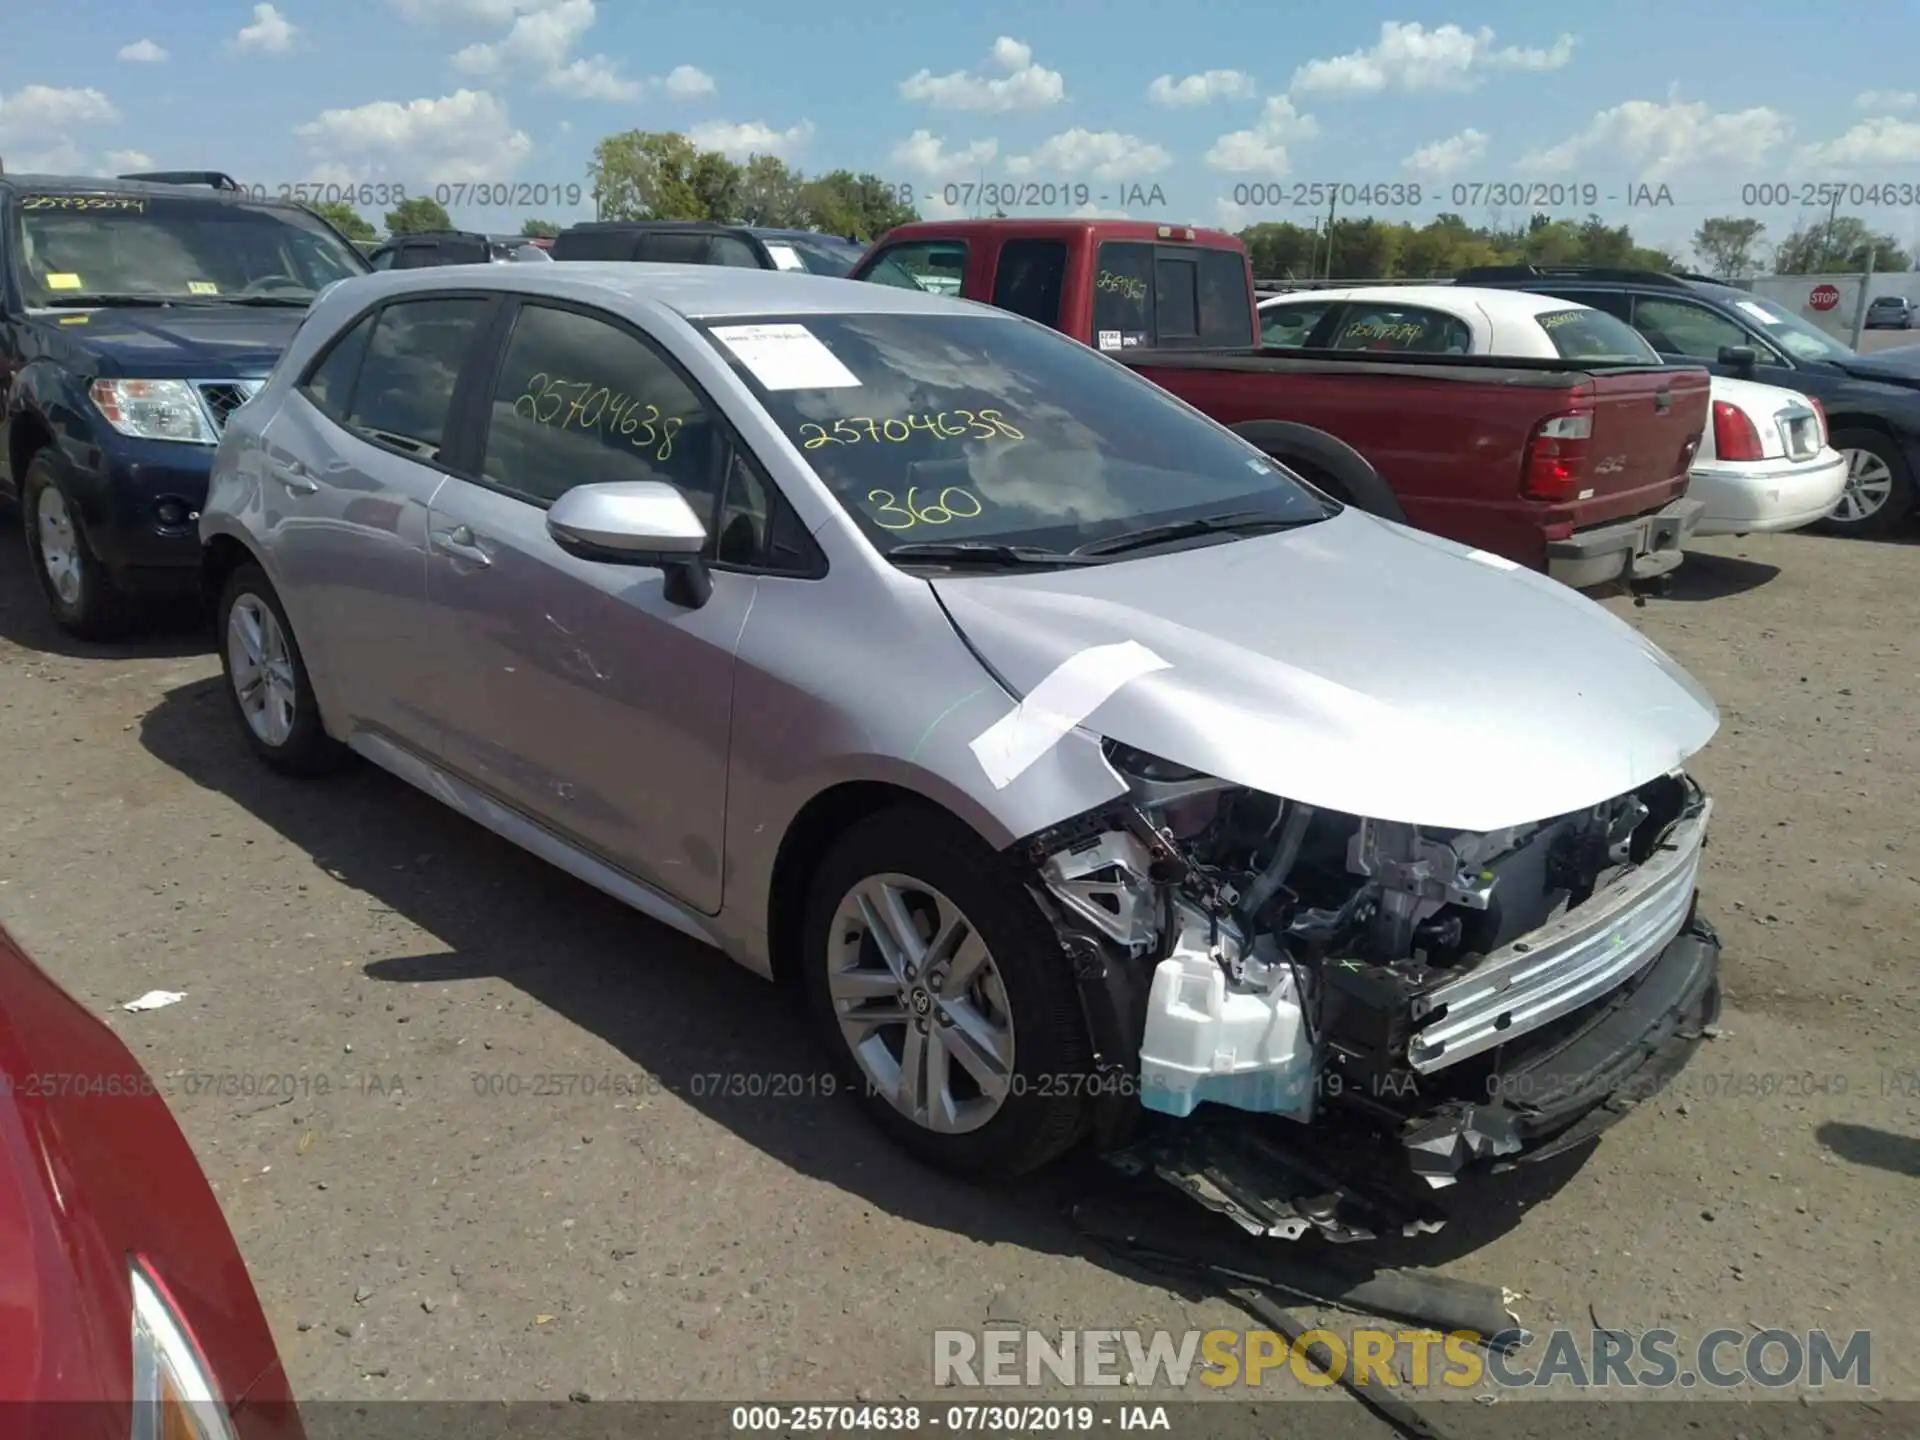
column 769, row 193
column 347, row 220
column 1726, row 244
column 539, row 229
column 863, row 206
column 1833, row 246
column 646, row 175
column 413, row 216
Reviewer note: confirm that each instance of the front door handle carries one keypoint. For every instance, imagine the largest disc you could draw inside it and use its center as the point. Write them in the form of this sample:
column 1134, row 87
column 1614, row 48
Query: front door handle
column 1663, row 402
column 294, row 477
column 459, row 542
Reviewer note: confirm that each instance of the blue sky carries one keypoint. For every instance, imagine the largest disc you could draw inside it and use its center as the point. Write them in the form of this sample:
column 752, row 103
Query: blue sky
column 429, row 93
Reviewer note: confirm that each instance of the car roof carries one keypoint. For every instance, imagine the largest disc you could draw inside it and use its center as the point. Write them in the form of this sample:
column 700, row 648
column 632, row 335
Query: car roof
column 1461, row 301
column 702, row 292
column 102, row 185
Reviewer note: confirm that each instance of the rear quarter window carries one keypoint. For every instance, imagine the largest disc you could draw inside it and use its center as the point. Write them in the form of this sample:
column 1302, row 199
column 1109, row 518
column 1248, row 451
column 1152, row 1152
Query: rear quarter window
column 1595, row 337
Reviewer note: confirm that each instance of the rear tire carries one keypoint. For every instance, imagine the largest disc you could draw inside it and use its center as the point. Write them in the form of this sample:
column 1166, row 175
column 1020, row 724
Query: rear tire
column 82, row 594
column 1879, row 493
column 267, row 681
column 912, row 1032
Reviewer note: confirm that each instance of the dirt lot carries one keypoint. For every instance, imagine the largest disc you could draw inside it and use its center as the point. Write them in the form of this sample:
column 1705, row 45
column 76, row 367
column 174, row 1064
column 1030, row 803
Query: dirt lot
column 430, row 1227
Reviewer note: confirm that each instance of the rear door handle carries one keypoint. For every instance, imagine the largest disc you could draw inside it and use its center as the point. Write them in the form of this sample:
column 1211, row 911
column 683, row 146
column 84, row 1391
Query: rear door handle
column 459, row 542
column 294, row 477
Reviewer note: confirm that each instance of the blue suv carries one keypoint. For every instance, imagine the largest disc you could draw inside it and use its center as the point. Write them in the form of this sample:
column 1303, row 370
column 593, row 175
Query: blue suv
column 1872, row 402
column 136, row 315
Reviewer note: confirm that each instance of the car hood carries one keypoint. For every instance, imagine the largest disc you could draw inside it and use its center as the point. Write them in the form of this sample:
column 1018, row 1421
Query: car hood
column 1355, row 665
column 189, row 342
column 1898, row 366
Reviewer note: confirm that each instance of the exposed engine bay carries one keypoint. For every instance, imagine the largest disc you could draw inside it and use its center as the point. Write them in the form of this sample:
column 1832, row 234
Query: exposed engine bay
column 1239, row 952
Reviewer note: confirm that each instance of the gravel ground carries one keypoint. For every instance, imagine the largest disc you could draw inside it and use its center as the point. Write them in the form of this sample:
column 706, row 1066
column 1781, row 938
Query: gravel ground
column 426, row 1217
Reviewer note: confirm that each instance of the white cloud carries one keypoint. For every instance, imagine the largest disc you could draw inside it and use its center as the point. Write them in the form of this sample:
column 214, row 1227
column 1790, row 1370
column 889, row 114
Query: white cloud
column 1102, row 154
column 143, row 52
column 1413, row 58
column 465, row 136
column 1885, row 141
column 35, row 122
column 688, row 82
column 593, row 77
column 37, row 111
column 1091, row 211
column 1203, row 89
column 540, row 38
column 1229, row 216
column 1887, row 99
column 121, row 161
column 1263, row 149
column 925, row 153
column 1441, row 159
column 933, row 205
column 1658, row 139
column 1021, row 85
column 270, row 34
column 474, row 13
column 752, row 137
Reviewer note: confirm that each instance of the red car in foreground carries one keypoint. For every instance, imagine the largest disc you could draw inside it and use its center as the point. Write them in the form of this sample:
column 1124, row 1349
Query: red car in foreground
column 126, row 1312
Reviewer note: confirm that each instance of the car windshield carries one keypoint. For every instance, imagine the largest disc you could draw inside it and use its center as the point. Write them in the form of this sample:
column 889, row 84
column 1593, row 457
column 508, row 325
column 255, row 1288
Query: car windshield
column 1792, row 334
column 979, row 428
column 1595, row 337
column 817, row 254
column 202, row 250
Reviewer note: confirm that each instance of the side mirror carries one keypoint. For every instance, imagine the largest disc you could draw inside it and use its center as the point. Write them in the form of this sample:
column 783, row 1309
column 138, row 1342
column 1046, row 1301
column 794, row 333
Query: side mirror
column 639, row 522
column 1741, row 357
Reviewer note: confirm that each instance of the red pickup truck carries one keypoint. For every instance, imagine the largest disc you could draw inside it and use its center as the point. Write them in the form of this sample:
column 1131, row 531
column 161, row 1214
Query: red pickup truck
column 1576, row 469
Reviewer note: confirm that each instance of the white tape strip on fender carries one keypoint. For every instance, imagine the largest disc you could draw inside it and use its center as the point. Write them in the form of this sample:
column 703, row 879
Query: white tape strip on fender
column 1075, row 689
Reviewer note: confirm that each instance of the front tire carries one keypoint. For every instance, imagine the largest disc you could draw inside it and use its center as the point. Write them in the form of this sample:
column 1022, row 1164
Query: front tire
column 81, row 592
column 267, row 680
column 941, row 993
column 1879, row 493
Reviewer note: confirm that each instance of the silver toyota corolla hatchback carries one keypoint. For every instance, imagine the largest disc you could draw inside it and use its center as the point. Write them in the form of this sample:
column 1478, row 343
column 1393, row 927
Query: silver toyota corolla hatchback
column 1090, row 773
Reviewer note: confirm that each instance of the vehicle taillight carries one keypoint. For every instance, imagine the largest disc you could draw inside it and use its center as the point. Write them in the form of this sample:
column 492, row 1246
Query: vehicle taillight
column 1734, row 435
column 1820, row 417
column 1557, row 456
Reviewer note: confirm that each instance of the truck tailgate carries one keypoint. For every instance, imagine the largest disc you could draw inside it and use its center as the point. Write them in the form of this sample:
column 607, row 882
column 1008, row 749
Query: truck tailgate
column 1646, row 425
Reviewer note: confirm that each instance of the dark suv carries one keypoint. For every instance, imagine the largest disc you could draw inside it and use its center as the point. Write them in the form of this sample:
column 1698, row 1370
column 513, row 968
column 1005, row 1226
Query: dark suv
column 1872, row 402
column 700, row 242
column 135, row 316
column 455, row 247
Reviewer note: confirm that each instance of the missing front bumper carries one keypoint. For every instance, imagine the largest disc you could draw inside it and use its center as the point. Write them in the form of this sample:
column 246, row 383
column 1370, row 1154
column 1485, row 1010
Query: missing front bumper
column 1276, row 1178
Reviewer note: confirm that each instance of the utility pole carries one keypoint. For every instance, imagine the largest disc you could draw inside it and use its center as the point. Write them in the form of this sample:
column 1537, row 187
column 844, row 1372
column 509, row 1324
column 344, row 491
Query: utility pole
column 1833, row 214
column 1332, row 201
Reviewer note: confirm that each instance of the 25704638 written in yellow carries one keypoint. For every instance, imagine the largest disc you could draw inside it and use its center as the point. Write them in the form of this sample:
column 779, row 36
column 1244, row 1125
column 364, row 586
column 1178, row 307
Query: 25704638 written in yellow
column 979, row 425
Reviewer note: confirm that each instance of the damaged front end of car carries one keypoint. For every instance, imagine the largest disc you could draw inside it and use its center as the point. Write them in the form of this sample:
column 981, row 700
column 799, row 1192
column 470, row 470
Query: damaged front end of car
column 1312, row 1020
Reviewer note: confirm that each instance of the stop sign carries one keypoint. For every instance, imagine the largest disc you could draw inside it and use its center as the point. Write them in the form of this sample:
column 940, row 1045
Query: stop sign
column 1824, row 297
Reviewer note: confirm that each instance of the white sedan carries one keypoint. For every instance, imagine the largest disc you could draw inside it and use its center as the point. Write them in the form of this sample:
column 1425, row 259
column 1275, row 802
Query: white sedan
column 1764, row 461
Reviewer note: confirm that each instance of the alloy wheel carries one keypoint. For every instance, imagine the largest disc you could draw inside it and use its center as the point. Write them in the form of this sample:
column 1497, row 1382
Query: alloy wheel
column 920, row 1003
column 261, row 663
column 1869, row 486
column 59, row 546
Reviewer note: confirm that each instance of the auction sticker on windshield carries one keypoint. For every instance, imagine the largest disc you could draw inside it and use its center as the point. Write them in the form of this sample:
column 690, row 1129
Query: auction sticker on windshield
column 786, row 357
column 1758, row 312
column 63, row 281
column 784, row 257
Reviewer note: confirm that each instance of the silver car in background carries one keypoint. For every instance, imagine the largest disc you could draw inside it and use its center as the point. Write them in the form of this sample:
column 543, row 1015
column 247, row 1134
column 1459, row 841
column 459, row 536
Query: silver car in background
column 1090, row 773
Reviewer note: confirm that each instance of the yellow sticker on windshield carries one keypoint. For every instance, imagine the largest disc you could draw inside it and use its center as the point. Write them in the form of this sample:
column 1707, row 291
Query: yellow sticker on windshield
column 75, row 319
column 202, row 287
column 63, row 281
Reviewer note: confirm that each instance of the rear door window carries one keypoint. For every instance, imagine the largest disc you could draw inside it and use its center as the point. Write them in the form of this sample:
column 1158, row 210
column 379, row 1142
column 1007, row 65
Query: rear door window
column 412, row 362
column 1029, row 278
column 732, row 250
column 1410, row 329
column 1123, row 309
column 675, row 249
